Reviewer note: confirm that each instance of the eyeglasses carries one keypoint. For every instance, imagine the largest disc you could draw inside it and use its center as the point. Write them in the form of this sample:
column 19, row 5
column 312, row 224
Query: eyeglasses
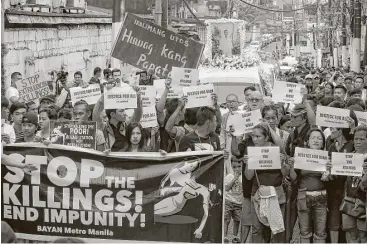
column 232, row 101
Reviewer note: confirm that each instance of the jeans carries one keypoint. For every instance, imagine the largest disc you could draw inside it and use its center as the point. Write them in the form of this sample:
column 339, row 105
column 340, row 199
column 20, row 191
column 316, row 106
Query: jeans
column 258, row 229
column 312, row 214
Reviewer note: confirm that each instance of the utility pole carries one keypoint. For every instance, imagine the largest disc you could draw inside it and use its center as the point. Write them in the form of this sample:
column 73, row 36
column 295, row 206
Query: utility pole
column 356, row 64
column 344, row 35
column 158, row 12
column 117, row 18
column 165, row 13
column 318, row 51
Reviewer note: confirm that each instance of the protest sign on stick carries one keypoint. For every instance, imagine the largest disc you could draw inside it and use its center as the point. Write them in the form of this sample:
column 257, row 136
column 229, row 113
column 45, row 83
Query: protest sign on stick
column 243, row 122
column 154, row 49
column 264, row 158
column 74, row 133
column 184, row 76
column 148, row 94
column 310, row 159
column 120, row 98
column 286, row 92
column 149, row 117
column 33, row 88
column 347, row 164
column 361, row 117
column 332, row 117
column 199, row 96
column 91, row 94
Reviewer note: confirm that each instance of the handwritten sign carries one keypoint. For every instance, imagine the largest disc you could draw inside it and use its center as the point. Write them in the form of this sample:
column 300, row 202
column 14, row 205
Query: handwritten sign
column 264, row 158
column 120, row 98
column 149, row 117
column 184, row 76
column 154, row 49
column 33, row 88
column 148, row 94
column 361, row 117
column 332, row 117
column 347, row 164
column 174, row 92
column 199, row 96
column 309, row 159
column 91, row 94
column 74, row 133
column 244, row 122
column 287, row 92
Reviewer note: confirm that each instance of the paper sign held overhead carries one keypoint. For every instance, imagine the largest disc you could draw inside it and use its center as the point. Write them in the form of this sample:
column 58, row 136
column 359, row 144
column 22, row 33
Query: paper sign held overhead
column 91, row 94
column 199, row 96
column 148, row 94
column 264, row 158
column 347, row 164
column 332, row 117
column 184, row 76
column 174, row 92
column 286, row 92
column 244, row 122
column 33, row 88
column 120, row 98
column 149, row 117
column 310, row 159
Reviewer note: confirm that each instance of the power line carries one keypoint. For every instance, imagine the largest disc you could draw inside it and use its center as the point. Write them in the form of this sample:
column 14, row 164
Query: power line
column 275, row 10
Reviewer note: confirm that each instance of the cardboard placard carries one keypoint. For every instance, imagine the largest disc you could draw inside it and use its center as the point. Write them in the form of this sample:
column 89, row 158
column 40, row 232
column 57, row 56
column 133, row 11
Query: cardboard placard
column 244, row 122
column 310, row 159
column 33, row 88
column 332, row 117
column 264, row 158
column 174, row 92
column 286, row 92
column 199, row 96
column 361, row 117
column 347, row 164
column 91, row 94
column 120, row 98
column 154, row 49
column 149, row 117
column 74, row 133
column 148, row 94
column 184, row 76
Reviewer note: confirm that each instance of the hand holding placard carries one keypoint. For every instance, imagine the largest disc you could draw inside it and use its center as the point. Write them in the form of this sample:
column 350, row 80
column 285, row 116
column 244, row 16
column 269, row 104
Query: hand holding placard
column 264, row 158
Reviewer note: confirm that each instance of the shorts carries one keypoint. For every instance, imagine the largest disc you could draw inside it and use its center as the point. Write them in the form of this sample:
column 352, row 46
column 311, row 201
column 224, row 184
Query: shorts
column 353, row 223
column 246, row 219
column 232, row 210
column 334, row 199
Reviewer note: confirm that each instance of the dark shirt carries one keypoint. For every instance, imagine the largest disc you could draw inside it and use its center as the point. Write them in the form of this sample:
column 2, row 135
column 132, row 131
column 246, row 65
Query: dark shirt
column 355, row 192
column 310, row 180
column 94, row 80
column 192, row 140
column 120, row 139
column 296, row 139
column 269, row 177
column 246, row 184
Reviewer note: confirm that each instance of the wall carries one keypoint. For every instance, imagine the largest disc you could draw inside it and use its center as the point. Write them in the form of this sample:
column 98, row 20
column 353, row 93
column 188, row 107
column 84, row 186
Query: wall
column 79, row 47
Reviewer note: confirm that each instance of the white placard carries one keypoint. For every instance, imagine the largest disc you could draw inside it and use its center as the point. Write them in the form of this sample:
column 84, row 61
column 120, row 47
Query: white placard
column 184, row 76
column 91, row 94
column 174, row 92
column 148, row 94
column 287, row 92
column 149, row 117
column 243, row 122
column 120, row 98
column 347, row 164
column 199, row 96
column 332, row 117
column 264, row 158
column 310, row 159
column 361, row 117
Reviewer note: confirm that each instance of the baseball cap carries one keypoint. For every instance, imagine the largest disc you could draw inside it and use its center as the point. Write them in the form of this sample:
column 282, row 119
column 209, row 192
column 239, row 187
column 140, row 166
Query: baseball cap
column 30, row 118
column 309, row 76
column 298, row 110
column 49, row 98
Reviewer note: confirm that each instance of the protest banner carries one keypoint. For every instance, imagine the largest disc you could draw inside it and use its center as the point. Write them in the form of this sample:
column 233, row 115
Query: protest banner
column 33, row 88
column 184, row 76
column 347, row 164
column 174, row 92
column 148, row 94
column 149, row 117
column 263, row 158
column 199, row 96
column 86, row 194
column 74, row 133
column 120, row 98
column 286, row 92
column 153, row 48
column 332, row 117
column 310, row 159
column 91, row 94
column 243, row 121
column 361, row 117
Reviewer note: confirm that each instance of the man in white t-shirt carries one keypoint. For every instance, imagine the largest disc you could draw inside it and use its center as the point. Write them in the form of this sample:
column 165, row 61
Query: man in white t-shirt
column 12, row 93
column 7, row 131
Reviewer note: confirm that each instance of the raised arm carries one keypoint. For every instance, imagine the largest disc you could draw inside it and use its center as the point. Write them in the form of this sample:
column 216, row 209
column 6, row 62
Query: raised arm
column 138, row 112
column 170, row 126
